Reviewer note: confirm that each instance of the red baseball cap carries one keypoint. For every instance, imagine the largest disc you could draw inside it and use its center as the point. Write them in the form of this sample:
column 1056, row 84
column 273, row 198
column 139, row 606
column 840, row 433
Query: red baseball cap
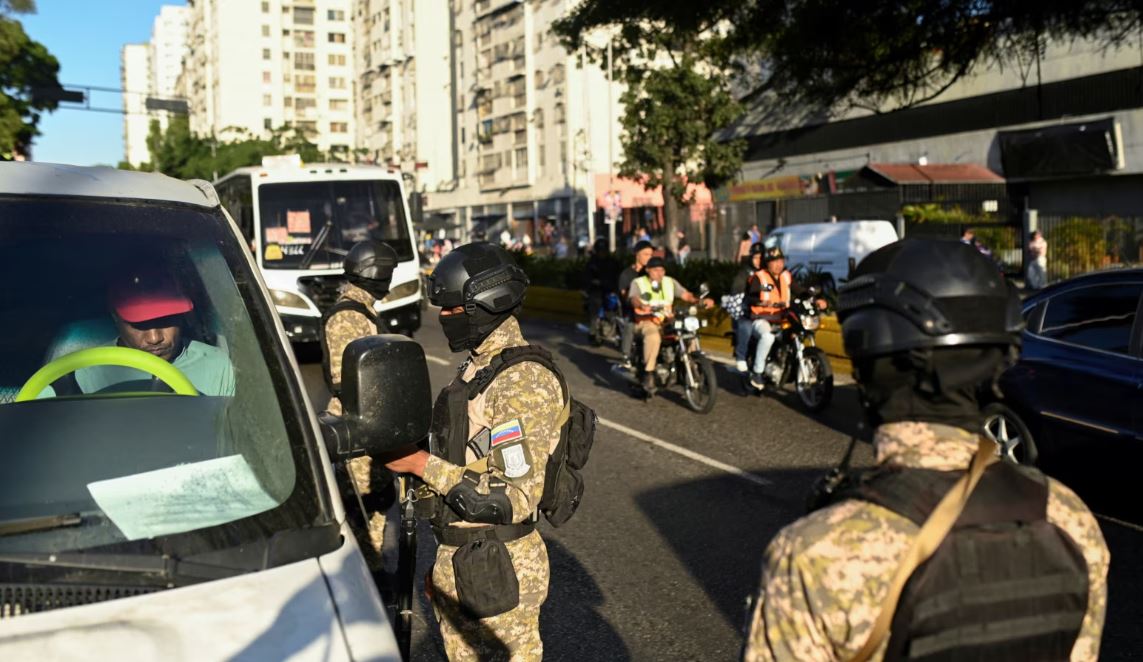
column 147, row 295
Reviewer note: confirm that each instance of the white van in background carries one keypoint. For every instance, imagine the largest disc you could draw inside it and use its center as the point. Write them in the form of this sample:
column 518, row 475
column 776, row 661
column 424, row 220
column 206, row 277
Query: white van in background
column 301, row 220
column 833, row 248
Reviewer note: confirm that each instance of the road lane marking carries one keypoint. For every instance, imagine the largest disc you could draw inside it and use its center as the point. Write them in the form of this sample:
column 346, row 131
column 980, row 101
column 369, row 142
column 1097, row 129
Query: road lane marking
column 687, row 453
column 667, row 446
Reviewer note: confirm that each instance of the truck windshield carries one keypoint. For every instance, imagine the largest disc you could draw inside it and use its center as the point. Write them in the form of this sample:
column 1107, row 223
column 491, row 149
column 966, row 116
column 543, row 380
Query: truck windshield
column 145, row 398
column 295, row 217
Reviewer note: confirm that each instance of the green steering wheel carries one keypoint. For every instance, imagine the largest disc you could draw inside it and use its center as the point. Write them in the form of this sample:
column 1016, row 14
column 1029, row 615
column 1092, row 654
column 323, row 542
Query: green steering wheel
column 120, row 356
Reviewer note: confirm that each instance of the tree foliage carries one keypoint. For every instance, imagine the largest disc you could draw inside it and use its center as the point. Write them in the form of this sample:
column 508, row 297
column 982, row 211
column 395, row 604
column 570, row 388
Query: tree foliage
column 28, row 76
column 180, row 153
column 836, row 54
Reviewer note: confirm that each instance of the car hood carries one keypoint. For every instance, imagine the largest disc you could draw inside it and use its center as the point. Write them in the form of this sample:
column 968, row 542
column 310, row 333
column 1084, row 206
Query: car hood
column 276, row 614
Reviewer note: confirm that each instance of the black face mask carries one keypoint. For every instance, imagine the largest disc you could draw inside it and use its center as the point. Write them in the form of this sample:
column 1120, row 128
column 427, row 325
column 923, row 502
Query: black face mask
column 466, row 331
column 455, row 328
column 379, row 289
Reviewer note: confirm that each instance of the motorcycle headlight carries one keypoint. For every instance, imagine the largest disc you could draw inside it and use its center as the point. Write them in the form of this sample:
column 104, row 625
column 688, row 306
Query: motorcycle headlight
column 284, row 299
column 401, row 291
column 693, row 310
column 691, row 324
column 811, row 322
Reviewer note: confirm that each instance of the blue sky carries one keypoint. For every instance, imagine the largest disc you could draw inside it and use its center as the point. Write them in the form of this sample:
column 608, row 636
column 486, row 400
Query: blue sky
column 85, row 36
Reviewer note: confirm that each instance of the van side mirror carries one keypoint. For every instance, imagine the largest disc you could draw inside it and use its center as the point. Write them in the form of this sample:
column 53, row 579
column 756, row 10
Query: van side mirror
column 385, row 396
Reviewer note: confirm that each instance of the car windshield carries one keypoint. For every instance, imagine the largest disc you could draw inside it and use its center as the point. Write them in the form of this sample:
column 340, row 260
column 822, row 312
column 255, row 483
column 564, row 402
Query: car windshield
column 142, row 385
column 294, row 217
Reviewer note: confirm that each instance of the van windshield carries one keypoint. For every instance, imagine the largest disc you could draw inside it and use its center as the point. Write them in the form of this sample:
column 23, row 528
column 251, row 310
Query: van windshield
column 143, row 387
column 327, row 219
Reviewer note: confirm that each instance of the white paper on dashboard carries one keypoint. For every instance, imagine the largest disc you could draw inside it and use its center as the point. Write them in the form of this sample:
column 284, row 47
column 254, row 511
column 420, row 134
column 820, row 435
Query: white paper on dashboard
column 183, row 498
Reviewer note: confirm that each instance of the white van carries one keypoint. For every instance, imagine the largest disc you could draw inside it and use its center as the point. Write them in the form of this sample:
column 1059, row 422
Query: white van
column 168, row 490
column 301, row 220
column 833, row 248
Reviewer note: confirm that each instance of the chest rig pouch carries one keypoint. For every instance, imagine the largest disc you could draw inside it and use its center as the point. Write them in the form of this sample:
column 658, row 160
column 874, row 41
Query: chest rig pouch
column 1005, row 584
column 563, row 482
column 340, row 306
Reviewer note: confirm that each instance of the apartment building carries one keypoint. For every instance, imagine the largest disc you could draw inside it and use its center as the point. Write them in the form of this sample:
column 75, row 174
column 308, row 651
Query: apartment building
column 255, row 65
column 134, row 80
column 533, row 123
column 403, row 73
column 167, row 49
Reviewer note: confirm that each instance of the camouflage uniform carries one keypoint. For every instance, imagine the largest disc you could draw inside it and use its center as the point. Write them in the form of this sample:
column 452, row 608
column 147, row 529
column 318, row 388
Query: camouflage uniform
column 530, row 394
column 341, row 329
column 825, row 576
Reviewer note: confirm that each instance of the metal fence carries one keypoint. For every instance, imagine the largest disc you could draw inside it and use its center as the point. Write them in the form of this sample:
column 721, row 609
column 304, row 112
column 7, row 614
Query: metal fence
column 1079, row 244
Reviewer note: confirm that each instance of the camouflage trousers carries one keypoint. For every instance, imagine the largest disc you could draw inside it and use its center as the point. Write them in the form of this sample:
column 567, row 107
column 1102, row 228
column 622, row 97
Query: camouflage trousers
column 361, row 469
column 513, row 636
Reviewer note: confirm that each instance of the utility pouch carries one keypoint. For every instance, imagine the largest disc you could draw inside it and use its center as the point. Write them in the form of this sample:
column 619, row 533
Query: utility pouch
column 563, row 492
column 486, row 583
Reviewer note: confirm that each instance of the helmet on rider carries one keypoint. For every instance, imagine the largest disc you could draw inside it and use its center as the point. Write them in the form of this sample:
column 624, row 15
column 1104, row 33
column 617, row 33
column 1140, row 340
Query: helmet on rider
column 600, row 247
column 369, row 265
column 484, row 280
column 928, row 323
column 772, row 253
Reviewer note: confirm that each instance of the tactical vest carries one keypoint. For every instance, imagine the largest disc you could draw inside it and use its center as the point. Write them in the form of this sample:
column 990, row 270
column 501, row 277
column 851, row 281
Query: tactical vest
column 563, row 483
column 664, row 297
column 340, row 306
column 781, row 292
column 1005, row 584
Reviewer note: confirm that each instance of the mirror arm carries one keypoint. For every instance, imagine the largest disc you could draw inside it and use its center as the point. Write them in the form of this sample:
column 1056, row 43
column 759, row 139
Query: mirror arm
column 338, row 432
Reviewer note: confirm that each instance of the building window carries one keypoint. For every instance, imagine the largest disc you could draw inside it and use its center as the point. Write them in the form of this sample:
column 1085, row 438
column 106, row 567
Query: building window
column 337, row 59
column 304, row 103
column 538, row 79
column 335, row 15
column 268, row 123
column 337, row 83
column 267, row 100
column 288, row 102
column 339, row 104
column 305, row 84
column 521, row 160
column 307, row 128
column 540, row 158
column 303, row 15
column 265, row 53
column 265, row 8
column 304, row 61
column 339, row 127
column 304, row 38
column 337, row 37
column 265, row 30
column 267, row 77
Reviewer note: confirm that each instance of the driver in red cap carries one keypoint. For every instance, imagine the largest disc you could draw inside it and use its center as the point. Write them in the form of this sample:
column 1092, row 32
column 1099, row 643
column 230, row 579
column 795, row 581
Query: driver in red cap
column 149, row 309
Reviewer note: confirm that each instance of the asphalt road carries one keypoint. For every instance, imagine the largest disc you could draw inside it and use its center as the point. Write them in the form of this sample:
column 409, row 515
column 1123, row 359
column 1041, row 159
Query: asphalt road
column 660, row 559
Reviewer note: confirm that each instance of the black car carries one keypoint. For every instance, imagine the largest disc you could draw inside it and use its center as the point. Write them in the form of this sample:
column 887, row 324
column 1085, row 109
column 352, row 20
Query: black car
column 1073, row 404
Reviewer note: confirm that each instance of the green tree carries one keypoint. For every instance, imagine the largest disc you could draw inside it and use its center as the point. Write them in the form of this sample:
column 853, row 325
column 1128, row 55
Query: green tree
column 831, row 54
column 28, row 81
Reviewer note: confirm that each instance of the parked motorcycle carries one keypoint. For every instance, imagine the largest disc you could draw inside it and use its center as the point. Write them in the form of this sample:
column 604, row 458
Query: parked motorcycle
column 681, row 361
column 794, row 358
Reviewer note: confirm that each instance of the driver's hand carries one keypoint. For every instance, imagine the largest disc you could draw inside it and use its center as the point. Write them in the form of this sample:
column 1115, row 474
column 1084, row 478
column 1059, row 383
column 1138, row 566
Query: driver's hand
column 407, row 460
column 708, row 303
column 822, row 304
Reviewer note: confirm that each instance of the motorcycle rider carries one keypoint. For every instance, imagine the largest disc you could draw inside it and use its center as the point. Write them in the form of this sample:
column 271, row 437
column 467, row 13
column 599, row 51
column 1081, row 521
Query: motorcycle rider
column 652, row 297
column 642, row 252
column 768, row 293
column 744, row 325
column 601, row 281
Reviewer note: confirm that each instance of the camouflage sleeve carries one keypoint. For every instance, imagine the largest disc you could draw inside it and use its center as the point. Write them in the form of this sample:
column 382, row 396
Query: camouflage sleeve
column 524, row 407
column 1066, row 511
column 341, row 329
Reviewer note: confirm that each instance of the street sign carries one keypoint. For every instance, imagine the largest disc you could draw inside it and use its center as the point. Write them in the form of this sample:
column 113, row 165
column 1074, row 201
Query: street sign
column 178, row 106
column 58, row 94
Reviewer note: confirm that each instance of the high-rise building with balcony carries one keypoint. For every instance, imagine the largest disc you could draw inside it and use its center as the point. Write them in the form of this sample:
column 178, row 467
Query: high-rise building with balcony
column 134, row 80
column 256, row 65
column 534, row 123
column 403, row 63
column 167, row 49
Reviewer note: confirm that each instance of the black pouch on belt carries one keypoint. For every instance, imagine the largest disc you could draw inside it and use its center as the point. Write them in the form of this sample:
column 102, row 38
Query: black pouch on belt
column 485, row 579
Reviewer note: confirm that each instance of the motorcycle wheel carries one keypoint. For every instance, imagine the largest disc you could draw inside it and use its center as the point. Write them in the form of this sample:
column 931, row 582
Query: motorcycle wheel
column 700, row 398
column 816, row 392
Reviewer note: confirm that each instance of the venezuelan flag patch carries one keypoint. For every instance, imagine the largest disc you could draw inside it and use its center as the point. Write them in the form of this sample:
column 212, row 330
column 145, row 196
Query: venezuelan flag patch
column 506, row 432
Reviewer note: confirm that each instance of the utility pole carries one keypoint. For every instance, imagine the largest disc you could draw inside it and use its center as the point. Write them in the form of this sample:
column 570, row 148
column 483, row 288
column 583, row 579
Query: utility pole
column 610, row 156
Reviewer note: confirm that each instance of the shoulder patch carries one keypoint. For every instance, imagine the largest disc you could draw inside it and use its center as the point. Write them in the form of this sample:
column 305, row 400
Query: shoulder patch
column 515, row 461
column 506, row 432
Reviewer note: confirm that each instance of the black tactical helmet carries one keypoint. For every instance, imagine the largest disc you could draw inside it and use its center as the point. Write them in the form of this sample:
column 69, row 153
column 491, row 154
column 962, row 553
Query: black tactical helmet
column 484, row 279
column 369, row 265
column 926, row 293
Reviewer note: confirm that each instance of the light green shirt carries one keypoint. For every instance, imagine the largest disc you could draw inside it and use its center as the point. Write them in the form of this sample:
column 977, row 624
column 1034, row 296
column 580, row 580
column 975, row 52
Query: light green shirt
column 207, row 367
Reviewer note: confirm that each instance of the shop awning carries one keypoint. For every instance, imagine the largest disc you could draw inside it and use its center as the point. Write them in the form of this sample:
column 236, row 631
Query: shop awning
column 936, row 173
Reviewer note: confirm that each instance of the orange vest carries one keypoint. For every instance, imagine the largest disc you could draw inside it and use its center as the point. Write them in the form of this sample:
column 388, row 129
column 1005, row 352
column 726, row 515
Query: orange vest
column 766, row 308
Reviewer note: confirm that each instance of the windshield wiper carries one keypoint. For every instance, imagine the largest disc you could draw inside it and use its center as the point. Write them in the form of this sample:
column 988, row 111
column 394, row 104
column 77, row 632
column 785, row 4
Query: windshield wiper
column 167, row 567
column 15, row 526
column 319, row 243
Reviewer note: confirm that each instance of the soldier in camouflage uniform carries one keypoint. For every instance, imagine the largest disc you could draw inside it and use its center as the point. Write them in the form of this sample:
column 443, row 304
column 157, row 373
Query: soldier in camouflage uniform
column 368, row 273
column 920, row 360
column 487, row 469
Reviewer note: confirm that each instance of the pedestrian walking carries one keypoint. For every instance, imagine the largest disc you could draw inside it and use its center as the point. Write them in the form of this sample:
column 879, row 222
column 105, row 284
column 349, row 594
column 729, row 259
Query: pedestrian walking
column 1037, row 271
column 369, row 269
column 742, row 256
column 928, row 555
column 684, row 248
column 496, row 436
